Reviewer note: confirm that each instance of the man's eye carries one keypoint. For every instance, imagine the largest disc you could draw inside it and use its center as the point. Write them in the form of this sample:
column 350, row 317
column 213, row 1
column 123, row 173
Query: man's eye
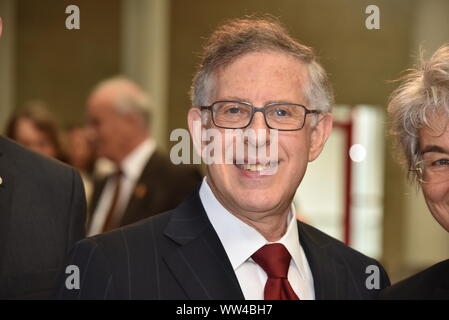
column 232, row 110
column 281, row 112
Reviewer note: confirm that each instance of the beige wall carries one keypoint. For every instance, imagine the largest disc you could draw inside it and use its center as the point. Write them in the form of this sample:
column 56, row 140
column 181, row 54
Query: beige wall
column 60, row 66
column 7, row 60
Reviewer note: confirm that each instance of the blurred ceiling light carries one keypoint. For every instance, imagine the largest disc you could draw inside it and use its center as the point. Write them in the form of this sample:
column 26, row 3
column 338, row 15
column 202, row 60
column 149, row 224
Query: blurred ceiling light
column 357, row 152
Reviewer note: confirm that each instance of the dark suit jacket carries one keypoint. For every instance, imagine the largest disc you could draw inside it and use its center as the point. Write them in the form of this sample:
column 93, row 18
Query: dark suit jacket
column 42, row 214
column 432, row 283
column 178, row 255
column 161, row 187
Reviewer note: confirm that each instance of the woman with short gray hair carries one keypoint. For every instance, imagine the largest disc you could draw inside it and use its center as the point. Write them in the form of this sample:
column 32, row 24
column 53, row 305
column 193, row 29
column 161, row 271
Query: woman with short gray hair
column 420, row 116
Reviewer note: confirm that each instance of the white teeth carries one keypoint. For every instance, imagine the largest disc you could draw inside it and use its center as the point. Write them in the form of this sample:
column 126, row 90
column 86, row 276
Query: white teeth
column 256, row 167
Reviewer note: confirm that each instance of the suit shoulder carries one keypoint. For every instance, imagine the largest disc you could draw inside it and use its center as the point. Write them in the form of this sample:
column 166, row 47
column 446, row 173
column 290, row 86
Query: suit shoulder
column 134, row 234
column 431, row 283
column 27, row 159
column 353, row 266
column 339, row 247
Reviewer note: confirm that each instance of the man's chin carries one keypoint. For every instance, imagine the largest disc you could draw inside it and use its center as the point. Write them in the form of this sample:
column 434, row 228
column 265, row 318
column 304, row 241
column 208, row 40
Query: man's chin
column 257, row 203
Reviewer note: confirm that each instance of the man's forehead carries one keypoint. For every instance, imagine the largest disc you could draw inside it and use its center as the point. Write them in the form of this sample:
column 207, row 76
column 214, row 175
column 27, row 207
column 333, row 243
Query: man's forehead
column 111, row 92
column 101, row 100
column 265, row 61
column 272, row 73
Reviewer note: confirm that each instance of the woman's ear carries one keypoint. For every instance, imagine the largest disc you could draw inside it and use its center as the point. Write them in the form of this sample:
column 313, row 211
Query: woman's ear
column 320, row 133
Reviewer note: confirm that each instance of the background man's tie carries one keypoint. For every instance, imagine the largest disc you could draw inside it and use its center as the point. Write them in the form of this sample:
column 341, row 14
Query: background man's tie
column 275, row 260
column 113, row 217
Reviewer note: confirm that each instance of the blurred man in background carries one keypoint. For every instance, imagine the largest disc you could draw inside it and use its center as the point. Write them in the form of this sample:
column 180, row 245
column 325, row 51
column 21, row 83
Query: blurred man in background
column 145, row 181
column 420, row 114
column 42, row 214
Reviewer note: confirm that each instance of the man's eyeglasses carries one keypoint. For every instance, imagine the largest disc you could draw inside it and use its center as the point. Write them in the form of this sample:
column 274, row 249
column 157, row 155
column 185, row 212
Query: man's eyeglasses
column 238, row 115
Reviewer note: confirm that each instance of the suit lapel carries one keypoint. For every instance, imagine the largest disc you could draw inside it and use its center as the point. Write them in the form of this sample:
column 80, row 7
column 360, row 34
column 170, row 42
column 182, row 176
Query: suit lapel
column 6, row 197
column 141, row 195
column 200, row 263
column 142, row 192
column 202, row 268
column 328, row 274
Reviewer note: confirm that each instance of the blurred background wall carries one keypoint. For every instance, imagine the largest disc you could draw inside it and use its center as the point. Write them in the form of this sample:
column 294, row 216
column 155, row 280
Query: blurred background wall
column 157, row 42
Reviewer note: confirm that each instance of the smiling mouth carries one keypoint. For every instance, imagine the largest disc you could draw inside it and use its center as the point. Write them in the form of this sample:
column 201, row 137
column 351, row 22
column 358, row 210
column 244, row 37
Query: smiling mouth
column 258, row 167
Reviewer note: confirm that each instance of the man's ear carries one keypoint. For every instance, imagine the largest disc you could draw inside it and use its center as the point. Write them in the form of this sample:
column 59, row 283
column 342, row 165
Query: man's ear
column 195, row 127
column 319, row 135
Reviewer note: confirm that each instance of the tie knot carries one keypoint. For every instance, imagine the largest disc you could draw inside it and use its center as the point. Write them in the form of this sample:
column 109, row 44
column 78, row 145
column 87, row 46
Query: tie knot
column 274, row 260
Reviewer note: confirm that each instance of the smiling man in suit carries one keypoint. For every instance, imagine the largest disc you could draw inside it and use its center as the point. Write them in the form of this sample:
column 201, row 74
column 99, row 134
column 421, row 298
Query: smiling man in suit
column 237, row 236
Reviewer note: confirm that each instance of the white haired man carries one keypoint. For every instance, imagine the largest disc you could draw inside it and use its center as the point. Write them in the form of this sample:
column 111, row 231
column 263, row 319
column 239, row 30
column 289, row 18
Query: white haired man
column 237, row 236
column 146, row 182
column 420, row 114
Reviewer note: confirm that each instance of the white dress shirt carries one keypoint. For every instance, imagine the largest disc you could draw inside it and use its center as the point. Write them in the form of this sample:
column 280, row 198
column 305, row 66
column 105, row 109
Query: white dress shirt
column 240, row 241
column 132, row 167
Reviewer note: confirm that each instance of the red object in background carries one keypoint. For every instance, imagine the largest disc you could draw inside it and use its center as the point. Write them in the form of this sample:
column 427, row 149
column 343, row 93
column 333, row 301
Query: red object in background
column 347, row 127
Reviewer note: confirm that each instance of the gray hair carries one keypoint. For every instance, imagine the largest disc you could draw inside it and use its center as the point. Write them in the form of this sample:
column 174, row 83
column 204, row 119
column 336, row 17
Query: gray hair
column 241, row 36
column 423, row 94
column 129, row 98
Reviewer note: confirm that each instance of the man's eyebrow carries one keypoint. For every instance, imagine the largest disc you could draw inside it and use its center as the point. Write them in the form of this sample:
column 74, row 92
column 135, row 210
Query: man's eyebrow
column 282, row 101
column 232, row 98
column 235, row 98
column 434, row 148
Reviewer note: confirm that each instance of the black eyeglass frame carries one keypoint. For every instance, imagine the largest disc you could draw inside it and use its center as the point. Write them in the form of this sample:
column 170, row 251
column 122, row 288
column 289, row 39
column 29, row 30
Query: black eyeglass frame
column 263, row 110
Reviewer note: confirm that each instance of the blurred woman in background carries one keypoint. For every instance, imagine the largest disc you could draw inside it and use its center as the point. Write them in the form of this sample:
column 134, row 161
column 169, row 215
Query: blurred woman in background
column 35, row 128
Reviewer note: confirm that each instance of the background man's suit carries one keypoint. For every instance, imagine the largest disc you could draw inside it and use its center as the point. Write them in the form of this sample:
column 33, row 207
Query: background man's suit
column 42, row 214
column 432, row 283
column 161, row 187
column 178, row 255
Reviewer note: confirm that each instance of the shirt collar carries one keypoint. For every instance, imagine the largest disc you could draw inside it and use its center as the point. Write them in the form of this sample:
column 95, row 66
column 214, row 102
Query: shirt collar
column 134, row 163
column 239, row 239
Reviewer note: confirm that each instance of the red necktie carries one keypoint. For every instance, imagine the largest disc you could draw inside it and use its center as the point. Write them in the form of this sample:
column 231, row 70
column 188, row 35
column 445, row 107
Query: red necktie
column 275, row 261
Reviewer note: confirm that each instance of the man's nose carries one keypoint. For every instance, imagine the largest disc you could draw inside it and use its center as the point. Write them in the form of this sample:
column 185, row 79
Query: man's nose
column 260, row 134
column 258, row 121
